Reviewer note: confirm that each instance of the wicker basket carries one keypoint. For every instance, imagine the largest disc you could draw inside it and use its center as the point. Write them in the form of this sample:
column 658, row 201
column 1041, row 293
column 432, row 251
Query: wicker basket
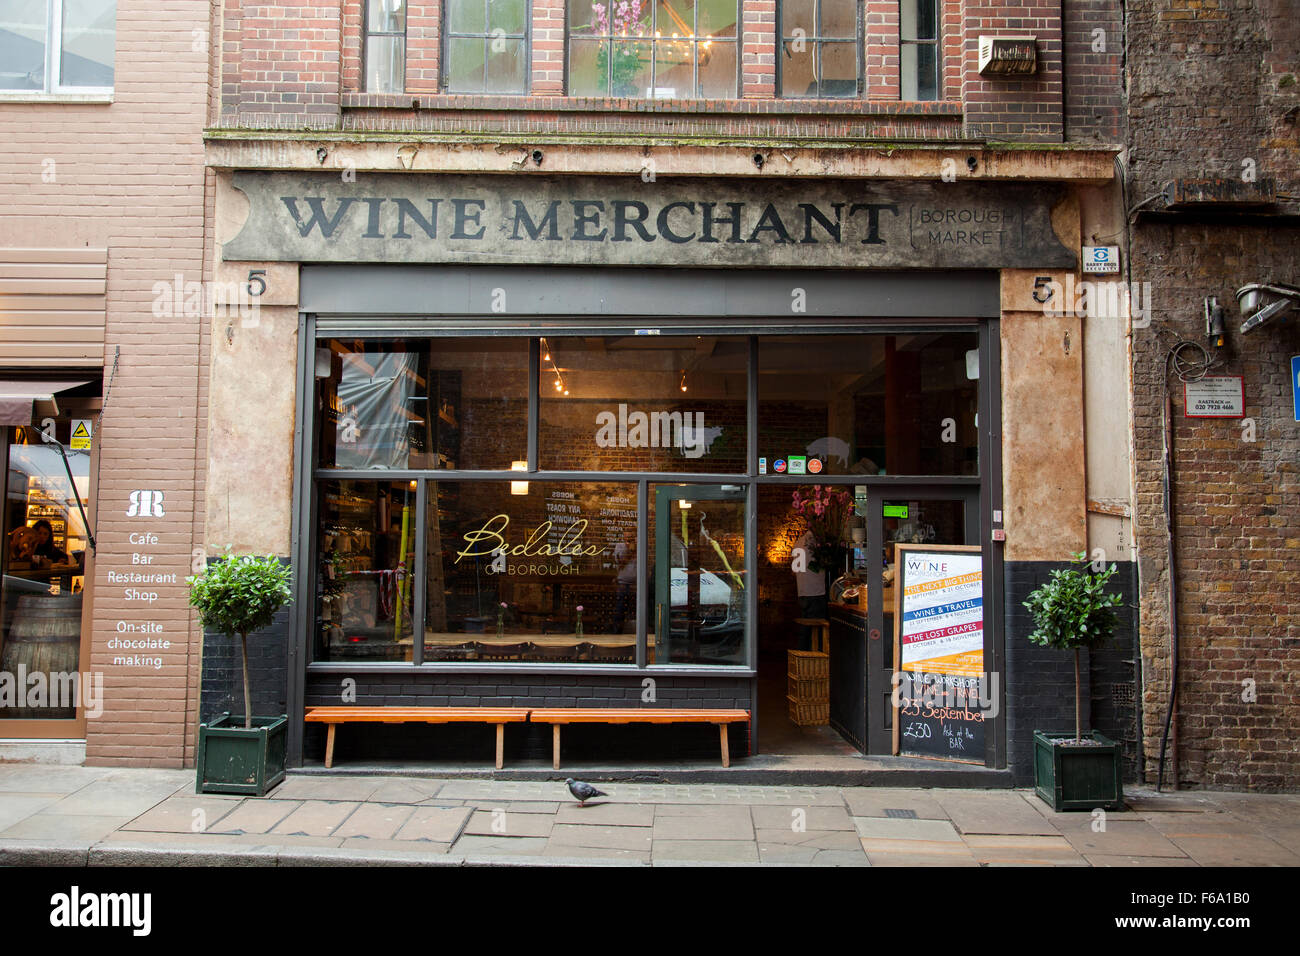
column 806, row 664
column 809, row 714
column 808, row 690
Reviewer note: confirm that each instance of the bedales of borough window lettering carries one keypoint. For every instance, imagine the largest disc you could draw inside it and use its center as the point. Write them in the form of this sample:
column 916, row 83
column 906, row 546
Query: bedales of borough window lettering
column 583, row 221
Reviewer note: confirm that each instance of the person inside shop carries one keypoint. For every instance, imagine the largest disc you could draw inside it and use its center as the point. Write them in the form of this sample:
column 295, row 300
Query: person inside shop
column 811, row 586
column 45, row 549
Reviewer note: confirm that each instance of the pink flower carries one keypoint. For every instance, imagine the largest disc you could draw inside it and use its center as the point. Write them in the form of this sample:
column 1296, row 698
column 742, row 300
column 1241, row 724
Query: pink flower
column 579, row 608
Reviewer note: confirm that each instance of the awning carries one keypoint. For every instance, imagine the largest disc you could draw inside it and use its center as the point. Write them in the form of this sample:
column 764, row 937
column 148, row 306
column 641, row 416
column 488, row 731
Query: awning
column 18, row 399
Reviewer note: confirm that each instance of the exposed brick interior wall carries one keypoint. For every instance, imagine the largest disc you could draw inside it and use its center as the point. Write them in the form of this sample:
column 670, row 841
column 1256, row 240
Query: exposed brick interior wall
column 1224, row 75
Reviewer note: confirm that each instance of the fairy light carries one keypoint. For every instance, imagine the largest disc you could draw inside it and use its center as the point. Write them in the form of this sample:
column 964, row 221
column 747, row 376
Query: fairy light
column 683, row 381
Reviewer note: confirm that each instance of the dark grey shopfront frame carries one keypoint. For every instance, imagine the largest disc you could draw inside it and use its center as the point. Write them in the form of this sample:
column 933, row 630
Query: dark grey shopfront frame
column 365, row 301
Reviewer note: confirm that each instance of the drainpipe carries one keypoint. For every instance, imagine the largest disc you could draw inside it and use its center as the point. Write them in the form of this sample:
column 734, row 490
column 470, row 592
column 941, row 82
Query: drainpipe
column 1171, row 726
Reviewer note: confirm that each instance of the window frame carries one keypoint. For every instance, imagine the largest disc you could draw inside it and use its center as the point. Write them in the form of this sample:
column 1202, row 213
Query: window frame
column 859, row 42
column 52, row 76
column 653, row 40
column 444, row 67
column 366, row 34
column 936, row 42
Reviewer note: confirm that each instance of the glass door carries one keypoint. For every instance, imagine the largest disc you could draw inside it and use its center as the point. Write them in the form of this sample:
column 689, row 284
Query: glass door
column 699, row 615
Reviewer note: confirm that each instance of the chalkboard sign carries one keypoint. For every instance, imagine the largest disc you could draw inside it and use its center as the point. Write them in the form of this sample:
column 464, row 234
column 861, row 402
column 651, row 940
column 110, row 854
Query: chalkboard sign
column 940, row 685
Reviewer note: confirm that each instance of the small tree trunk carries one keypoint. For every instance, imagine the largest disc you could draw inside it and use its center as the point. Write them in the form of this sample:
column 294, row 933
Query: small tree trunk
column 248, row 703
column 1078, row 726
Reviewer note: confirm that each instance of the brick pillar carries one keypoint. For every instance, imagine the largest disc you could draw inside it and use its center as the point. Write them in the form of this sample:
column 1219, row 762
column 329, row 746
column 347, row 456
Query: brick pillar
column 758, row 49
column 881, row 40
column 423, row 45
column 548, row 48
column 354, row 22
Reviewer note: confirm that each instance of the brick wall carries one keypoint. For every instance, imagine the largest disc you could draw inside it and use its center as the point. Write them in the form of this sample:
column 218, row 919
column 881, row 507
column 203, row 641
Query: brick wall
column 1223, row 74
column 1018, row 109
column 1093, row 43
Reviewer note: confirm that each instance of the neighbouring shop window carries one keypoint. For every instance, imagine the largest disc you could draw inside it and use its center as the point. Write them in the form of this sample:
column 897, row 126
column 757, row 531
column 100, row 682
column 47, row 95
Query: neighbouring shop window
column 898, row 404
column 443, row 404
column 656, row 49
column 821, row 49
column 919, row 49
column 643, row 403
column 487, row 46
column 44, row 562
column 531, row 571
column 385, row 46
column 366, row 570
column 66, row 46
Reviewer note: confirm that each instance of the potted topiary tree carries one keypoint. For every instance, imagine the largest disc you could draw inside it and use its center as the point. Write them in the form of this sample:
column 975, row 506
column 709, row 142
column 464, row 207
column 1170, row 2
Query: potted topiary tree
column 1072, row 611
column 238, row 595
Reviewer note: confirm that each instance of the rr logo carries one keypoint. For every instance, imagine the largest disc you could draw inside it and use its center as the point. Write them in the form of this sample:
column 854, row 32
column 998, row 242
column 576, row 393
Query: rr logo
column 146, row 504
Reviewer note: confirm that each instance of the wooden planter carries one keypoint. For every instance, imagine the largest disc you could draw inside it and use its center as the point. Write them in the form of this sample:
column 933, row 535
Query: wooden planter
column 1083, row 777
column 234, row 760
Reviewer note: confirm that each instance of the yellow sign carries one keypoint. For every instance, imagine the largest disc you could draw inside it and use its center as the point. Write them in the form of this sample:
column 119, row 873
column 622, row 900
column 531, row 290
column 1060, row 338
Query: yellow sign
column 490, row 540
column 81, row 432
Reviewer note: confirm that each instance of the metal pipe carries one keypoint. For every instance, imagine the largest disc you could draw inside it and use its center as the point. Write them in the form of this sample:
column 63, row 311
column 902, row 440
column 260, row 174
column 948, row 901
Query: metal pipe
column 1173, row 596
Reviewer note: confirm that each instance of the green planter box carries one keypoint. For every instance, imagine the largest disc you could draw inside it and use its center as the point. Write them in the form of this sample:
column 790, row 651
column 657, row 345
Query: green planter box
column 1077, row 777
column 234, row 760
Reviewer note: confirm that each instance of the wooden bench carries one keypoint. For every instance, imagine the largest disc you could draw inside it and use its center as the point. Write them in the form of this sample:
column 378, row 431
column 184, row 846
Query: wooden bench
column 333, row 716
column 559, row 716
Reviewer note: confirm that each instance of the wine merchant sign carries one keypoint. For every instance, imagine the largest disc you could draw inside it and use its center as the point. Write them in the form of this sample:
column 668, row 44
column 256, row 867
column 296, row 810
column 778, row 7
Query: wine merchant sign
column 502, row 220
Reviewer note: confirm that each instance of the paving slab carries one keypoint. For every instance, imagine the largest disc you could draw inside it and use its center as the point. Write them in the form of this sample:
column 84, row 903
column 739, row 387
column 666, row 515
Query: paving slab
column 1021, row 850
column 608, row 814
column 189, row 813
column 504, row 823
column 686, row 822
column 1103, row 859
column 887, row 829
column 595, row 854
column 874, row 801
column 356, row 789
column 600, row 837
column 48, row 778
column 119, row 794
column 1120, row 838
column 1265, row 810
column 401, row 846
column 405, row 791
column 916, row 853
column 1234, row 849
column 70, row 827
column 435, row 824
column 317, row 818
column 998, row 813
column 817, row 839
column 809, row 818
column 19, row 806
column 1218, row 822
column 1182, row 801
column 532, row 806
column 255, row 816
column 706, row 851
column 375, row 821
column 499, row 845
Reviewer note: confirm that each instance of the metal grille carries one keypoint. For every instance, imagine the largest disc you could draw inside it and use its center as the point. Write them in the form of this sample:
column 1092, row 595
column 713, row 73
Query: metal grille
column 1123, row 695
column 896, row 814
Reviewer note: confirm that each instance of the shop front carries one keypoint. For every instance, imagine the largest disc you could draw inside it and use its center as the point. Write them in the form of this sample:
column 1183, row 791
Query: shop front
column 560, row 444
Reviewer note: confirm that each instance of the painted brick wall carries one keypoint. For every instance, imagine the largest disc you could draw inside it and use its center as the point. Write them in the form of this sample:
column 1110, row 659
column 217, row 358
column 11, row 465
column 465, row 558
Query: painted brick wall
column 1223, row 73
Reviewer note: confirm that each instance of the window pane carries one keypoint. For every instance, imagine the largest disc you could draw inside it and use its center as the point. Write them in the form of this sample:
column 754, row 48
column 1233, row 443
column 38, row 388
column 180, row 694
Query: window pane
column 442, row 403
column 917, row 20
column 623, row 18
column 839, row 18
column 44, row 572
column 563, row 589
column 507, row 66
column 365, row 570
column 798, row 15
column 508, row 16
column 89, row 27
column 631, row 67
column 389, row 16
column 22, row 45
column 588, row 67
column 385, row 64
column 465, row 64
column 927, row 72
column 674, row 69
column 839, row 69
column 717, row 70
column 867, row 405
column 798, row 68
column 588, row 18
column 636, row 403
column 716, row 18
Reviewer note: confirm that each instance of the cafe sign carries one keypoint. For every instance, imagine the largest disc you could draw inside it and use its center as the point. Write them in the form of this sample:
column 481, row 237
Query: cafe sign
column 506, row 220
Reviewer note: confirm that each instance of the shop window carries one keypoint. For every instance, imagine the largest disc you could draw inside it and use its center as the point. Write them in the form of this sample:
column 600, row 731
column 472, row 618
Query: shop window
column 654, row 49
column 438, row 404
column 643, row 403
column 64, row 46
column 821, row 49
column 899, row 404
column 531, row 571
column 486, row 46
column 919, row 49
column 385, row 48
column 44, row 567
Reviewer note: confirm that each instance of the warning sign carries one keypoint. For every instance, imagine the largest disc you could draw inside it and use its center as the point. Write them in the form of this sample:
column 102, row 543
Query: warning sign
column 82, row 429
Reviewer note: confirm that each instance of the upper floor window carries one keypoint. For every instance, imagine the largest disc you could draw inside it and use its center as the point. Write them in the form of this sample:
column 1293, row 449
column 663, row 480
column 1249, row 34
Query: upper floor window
column 657, row 49
column 487, row 46
column 57, row 46
column 821, row 49
column 918, row 53
column 385, row 49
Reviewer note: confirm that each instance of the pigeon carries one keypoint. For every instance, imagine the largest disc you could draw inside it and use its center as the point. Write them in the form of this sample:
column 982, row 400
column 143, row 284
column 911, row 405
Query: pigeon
column 583, row 791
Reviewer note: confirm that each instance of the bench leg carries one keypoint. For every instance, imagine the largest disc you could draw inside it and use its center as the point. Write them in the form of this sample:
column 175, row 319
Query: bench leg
column 555, row 746
column 726, row 751
column 501, row 745
column 329, row 746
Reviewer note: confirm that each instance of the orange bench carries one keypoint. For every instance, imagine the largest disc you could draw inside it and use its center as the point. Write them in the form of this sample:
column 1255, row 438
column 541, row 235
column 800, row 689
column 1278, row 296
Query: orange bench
column 333, row 716
column 559, row 716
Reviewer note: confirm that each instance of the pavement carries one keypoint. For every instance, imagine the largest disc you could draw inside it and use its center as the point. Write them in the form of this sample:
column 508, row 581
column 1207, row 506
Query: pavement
column 102, row 816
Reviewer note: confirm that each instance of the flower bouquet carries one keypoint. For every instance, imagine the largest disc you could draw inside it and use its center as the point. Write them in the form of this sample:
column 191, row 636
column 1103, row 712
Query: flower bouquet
column 826, row 510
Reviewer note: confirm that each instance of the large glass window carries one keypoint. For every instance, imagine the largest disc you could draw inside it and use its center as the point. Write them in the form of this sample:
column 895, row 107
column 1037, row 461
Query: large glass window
column 820, row 48
column 919, row 49
column 64, row 46
column 656, row 49
column 643, row 403
column 487, row 46
column 385, row 51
